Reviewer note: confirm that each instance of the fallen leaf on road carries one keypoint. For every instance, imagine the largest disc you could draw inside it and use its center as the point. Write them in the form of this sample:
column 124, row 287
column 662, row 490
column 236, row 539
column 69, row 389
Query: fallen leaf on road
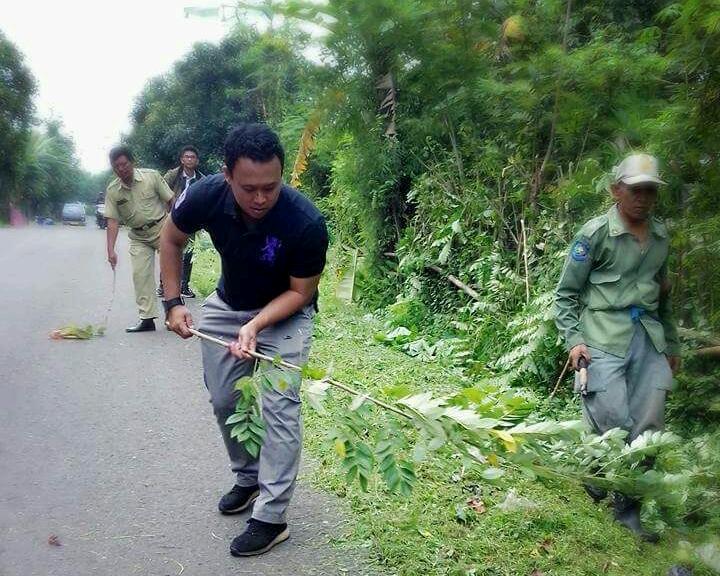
column 72, row 332
column 54, row 540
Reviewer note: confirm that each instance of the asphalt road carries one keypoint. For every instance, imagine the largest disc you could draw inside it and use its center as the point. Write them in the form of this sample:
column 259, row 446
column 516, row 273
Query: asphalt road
column 110, row 444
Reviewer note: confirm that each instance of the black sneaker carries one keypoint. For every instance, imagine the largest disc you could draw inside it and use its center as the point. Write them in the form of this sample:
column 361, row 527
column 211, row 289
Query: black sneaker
column 627, row 512
column 678, row 570
column 238, row 499
column 597, row 494
column 258, row 538
column 187, row 293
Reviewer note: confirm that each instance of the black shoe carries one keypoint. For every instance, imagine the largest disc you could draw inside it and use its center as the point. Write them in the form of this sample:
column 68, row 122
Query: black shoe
column 597, row 494
column 680, row 571
column 145, row 325
column 187, row 292
column 627, row 513
column 238, row 499
column 258, row 538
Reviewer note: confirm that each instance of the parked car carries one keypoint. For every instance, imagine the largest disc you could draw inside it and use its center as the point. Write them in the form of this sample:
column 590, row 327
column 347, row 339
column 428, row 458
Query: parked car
column 73, row 213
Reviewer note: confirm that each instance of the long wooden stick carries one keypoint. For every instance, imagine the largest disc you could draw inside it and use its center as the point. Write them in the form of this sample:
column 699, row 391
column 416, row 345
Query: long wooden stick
column 285, row 364
column 560, row 379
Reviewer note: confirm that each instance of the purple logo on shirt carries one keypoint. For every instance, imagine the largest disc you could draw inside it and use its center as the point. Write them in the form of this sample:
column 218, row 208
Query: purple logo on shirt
column 269, row 251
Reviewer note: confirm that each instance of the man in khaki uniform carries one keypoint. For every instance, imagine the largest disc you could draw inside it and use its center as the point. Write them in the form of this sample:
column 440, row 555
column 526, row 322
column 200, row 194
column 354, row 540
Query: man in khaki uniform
column 138, row 198
column 613, row 310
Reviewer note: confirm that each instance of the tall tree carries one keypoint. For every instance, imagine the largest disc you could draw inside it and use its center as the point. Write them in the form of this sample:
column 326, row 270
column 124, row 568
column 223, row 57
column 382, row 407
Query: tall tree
column 17, row 87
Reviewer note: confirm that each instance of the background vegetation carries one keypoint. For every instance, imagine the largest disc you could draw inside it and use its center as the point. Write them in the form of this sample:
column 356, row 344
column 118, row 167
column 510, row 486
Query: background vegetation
column 468, row 138
column 39, row 170
column 472, row 138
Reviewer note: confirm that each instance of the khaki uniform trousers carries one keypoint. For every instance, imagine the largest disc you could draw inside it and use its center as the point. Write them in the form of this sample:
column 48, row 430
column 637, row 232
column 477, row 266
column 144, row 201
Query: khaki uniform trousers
column 629, row 392
column 144, row 244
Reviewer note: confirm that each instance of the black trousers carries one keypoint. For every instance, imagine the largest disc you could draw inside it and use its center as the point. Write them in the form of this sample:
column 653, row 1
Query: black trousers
column 186, row 268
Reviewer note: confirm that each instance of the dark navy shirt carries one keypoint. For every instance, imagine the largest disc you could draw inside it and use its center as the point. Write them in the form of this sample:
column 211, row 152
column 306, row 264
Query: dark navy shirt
column 257, row 263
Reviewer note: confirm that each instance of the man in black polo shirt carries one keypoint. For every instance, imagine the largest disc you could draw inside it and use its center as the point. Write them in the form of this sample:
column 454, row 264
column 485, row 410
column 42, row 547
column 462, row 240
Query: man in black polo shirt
column 272, row 242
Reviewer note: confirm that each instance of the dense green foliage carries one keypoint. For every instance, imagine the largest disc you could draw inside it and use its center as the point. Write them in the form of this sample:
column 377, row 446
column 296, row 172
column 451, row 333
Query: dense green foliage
column 17, row 86
column 247, row 77
column 39, row 170
column 473, row 139
column 471, row 136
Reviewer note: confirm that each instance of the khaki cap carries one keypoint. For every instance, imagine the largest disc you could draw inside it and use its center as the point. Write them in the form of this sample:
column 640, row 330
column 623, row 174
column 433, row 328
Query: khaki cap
column 638, row 169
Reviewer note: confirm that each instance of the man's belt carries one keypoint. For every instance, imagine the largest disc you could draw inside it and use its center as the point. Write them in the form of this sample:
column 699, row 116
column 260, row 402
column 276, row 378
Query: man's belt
column 636, row 312
column 148, row 225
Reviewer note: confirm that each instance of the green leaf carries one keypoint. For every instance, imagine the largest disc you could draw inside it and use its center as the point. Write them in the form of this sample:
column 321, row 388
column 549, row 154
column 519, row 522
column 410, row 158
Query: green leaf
column 345, row 290
column 425, row 404
column 492, row 473
column 235, row 418
column 469, row 419
column 340, row 449
column 315, row 393
column 420, row 451
column 461, row 513
column 244, row 383
column 252, row 448
column 358, row 401
column 313, row 372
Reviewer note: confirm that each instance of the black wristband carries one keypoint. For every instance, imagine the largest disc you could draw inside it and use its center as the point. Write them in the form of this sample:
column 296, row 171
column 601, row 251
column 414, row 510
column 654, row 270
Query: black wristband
column 170, row 304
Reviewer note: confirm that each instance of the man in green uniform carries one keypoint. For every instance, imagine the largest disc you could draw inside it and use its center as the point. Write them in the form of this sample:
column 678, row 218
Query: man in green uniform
column 138, row 198
column 613, row 310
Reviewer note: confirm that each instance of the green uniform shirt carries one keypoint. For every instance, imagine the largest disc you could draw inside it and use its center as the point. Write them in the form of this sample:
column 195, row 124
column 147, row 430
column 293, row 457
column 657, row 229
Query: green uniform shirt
column 143, row 203
column 606, row 274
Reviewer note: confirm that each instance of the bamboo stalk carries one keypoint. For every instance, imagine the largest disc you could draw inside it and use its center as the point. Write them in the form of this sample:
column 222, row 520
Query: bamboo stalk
column 285, row 364
column 525, row 257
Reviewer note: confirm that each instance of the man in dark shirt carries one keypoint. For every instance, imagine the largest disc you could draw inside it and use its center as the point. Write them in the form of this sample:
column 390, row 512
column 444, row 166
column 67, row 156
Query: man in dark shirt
column 272, row 242
column 180, row 179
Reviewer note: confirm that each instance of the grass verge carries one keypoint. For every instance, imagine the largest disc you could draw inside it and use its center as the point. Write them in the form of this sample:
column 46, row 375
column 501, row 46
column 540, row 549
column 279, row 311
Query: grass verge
column 558, row 530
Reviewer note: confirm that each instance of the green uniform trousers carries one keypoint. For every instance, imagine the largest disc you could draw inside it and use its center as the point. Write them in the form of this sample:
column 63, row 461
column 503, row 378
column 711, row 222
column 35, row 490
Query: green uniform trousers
column 629, row 392
column 144, row 244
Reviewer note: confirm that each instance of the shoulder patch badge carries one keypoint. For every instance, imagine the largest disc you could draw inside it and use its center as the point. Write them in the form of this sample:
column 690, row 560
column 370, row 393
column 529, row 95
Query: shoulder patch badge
column 580, row 250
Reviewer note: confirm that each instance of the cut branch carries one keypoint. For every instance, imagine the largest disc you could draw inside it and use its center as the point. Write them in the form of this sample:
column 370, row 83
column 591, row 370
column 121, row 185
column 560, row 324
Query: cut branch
column 297, row 368
column 455, row 281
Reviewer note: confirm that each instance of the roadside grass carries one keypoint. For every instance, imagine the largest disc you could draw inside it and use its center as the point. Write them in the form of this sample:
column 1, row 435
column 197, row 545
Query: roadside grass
column 435, row 531
column 564, row 534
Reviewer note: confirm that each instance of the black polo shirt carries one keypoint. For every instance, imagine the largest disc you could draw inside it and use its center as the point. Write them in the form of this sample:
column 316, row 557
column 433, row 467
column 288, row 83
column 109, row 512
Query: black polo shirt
column 291, row 240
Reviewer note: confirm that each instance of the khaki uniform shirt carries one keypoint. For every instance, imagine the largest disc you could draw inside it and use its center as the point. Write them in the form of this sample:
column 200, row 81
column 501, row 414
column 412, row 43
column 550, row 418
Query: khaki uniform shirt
column 610, row 281
column 143, row 203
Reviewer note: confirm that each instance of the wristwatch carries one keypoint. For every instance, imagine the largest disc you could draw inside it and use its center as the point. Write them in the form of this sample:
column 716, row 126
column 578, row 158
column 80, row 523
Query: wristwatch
column 170, row 304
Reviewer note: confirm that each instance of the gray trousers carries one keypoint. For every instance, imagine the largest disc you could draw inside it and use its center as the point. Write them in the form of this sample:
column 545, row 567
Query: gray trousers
column 276, row 469
column 628, row 392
